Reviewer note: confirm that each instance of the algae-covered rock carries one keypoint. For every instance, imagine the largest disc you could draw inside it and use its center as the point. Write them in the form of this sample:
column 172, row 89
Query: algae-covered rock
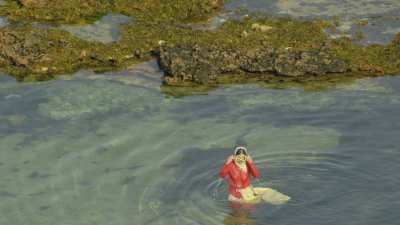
column 27, row 50
column 203, row 65
column 237, row 52
column 172, row 11
column 31, row 53
column 248, row 49
column 84, row 11
column 56, row 11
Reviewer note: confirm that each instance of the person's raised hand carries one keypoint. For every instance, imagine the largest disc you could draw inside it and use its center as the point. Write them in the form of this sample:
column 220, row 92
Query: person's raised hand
column 249, row 159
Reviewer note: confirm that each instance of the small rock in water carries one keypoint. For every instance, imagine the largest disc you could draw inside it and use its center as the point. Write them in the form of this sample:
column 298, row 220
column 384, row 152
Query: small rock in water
column 260, row 27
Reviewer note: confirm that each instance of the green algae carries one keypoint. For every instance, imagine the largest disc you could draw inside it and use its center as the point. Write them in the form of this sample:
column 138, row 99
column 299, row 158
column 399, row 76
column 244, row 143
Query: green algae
column 284, row 33
column 42, row 54
column 173, row 11
column 373, row 59
column 56, row 11
column 87, row 11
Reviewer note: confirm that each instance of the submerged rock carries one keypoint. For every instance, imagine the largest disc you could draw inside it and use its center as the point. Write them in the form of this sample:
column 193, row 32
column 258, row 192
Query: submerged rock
column 79, row 99
column 184, row 63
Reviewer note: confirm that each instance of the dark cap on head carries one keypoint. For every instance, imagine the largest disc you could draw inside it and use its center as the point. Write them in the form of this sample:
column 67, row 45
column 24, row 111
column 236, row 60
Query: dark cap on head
column 240, row 150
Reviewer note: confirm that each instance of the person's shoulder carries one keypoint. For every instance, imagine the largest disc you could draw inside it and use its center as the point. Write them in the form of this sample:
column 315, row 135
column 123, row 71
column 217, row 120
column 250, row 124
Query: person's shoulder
column 230, row 164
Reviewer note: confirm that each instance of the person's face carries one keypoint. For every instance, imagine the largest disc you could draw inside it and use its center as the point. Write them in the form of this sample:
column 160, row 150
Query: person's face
column 241, row 158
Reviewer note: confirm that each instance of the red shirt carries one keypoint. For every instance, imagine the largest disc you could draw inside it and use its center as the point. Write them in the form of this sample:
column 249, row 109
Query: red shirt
column 238, row 179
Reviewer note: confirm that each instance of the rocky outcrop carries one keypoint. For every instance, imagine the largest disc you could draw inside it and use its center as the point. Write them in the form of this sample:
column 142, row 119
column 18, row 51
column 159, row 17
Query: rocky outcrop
column 40, row 54
column 203, row 65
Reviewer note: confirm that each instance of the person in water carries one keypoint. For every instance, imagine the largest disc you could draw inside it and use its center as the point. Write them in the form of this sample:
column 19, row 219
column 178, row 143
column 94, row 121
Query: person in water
column 240, row 168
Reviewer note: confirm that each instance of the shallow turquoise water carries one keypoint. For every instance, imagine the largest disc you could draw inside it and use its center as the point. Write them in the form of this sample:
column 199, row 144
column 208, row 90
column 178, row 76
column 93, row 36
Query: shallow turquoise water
column 113, row 149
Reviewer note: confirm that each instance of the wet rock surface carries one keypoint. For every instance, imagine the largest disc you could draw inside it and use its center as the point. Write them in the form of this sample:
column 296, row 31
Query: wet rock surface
column 204, row 64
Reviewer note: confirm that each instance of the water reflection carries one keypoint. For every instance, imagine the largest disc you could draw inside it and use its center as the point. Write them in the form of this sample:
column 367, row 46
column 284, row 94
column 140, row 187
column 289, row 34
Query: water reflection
column 239, row 216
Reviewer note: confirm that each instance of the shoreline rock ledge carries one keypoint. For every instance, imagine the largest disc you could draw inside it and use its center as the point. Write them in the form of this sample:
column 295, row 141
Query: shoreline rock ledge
column 191, row 64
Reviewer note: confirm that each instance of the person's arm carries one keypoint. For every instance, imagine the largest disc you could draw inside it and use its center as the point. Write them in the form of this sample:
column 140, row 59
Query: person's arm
column 225, row 170
column 253, row 168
